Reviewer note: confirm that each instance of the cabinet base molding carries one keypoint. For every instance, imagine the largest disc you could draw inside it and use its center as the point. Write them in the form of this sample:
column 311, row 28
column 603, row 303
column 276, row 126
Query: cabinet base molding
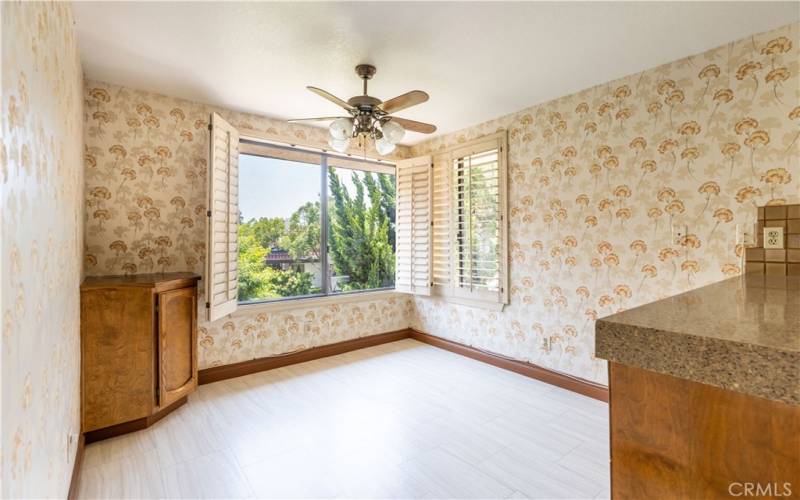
column 133, row 425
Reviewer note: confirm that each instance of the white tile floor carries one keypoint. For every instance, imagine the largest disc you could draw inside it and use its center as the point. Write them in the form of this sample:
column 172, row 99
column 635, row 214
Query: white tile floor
column 400, row 420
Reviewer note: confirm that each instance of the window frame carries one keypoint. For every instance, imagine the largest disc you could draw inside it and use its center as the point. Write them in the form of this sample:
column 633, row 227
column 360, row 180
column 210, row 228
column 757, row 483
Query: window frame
column 252, row 144
column 452, row 291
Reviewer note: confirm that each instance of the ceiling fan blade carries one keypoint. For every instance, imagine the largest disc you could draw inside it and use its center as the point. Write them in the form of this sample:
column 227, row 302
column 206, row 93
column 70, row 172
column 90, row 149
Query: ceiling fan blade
column 320, row 119
column 404, row 101
column 331, row 97
column 414, row 126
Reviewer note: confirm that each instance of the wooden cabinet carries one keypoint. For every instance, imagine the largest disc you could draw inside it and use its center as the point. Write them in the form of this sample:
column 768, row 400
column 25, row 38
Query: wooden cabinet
column 138, row 350
column 676, row 438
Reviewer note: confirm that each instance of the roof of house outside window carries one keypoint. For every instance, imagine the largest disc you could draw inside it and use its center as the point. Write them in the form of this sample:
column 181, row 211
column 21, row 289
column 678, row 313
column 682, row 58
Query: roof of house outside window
column 280, row 256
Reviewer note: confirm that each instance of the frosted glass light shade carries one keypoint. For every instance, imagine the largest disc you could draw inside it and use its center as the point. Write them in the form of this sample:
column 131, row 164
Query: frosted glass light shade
column 393, row 132
column 341, row 129
column 339, row 145
column 383, row 146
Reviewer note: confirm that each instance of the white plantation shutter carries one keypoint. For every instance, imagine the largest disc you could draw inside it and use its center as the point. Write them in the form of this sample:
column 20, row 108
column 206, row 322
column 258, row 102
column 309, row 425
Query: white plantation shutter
column 442, row 241
column 413, row 226
column 477, row 177
column 475, row 224
column 222, row 255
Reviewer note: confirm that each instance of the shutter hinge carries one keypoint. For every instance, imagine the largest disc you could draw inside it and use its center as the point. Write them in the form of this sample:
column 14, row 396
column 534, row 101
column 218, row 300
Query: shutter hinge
column 208, row 213
column 209, row 127
column 208, row 305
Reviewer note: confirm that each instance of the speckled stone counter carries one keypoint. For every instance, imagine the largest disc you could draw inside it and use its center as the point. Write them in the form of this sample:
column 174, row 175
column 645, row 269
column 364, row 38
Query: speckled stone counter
column 741, row 334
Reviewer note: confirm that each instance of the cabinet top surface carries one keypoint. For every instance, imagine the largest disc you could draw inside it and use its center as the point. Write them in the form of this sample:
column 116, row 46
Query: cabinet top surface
column 741, row 334
column 138, row 280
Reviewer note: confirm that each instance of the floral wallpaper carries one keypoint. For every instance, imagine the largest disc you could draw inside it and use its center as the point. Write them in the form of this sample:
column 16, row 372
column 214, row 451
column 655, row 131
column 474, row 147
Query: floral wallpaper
column 598, row 178
column 41, row 215
column 146, row 162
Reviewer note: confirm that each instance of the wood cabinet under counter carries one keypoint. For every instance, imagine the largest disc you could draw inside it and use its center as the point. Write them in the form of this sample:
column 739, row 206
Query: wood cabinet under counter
column 138, row 350
column 704, row 392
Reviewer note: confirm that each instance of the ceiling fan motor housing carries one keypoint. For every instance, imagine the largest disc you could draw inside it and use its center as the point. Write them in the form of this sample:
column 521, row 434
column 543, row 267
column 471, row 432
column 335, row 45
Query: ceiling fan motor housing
column 366, row 112
column 364, row 102
column 366, row 71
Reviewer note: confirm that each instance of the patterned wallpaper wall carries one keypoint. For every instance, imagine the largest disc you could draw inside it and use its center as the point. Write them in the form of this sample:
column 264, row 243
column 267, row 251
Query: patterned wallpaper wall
column 597, row 178
column 41, row 215
column 146, row 162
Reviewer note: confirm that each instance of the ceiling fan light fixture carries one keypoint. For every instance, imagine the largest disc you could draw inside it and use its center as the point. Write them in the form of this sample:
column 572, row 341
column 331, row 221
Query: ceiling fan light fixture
column 383, row 146
column 339, row 145
column 341, row 129
column 393, row 132
column 370, row 118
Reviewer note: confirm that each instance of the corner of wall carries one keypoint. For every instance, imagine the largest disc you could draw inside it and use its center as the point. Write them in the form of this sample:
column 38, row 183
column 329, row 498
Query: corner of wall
column 40, row 258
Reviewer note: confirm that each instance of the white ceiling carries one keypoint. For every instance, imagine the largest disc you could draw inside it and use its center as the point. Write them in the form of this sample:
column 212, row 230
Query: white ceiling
column 477, row 61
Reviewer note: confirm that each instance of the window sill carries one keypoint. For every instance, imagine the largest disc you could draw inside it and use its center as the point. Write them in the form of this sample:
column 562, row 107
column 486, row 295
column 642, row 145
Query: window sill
column 309, row 302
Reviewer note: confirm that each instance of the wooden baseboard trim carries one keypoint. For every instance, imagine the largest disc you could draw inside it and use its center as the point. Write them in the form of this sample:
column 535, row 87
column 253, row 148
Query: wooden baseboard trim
column 574, row 384
column 217, row 373
column 74, row 481
column 133, row 425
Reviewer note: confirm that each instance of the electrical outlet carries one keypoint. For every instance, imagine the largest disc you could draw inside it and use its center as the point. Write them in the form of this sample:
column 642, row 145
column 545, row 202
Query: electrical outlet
column 746, row 235
column 773, row 238
column 678, row 232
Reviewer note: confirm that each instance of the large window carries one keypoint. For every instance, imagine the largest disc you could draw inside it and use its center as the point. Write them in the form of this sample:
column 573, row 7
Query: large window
column 286, row 223
column 311, row 224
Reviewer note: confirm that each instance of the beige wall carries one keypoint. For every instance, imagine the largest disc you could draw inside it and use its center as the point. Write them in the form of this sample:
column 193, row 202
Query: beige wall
column 145, row 212
column 41, row 210
column 596, row 177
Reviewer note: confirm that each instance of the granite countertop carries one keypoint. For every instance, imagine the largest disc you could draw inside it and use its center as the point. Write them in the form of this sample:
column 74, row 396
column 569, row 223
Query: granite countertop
column 741, row 334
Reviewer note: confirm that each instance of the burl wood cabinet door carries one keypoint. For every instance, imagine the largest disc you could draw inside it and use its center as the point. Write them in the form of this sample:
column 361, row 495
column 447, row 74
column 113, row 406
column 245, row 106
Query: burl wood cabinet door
column 177, row 344
column 117, row 358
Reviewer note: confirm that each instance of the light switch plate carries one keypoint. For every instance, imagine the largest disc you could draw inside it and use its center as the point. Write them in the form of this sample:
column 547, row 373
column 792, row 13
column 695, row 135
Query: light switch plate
column 773, row 238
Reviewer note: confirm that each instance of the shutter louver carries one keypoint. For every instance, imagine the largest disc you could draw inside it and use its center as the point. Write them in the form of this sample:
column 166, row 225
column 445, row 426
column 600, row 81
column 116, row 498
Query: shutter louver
column 413, row 226
column 442, row 213
column 478, row 234
column 222, row 253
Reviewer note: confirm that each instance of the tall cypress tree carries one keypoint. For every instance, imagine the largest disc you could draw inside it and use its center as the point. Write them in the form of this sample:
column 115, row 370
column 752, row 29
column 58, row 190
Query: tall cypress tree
column 361, row 229
column 383, row 189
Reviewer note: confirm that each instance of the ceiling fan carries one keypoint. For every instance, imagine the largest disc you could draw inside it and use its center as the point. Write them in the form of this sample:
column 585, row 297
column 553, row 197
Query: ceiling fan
column 371, row 117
